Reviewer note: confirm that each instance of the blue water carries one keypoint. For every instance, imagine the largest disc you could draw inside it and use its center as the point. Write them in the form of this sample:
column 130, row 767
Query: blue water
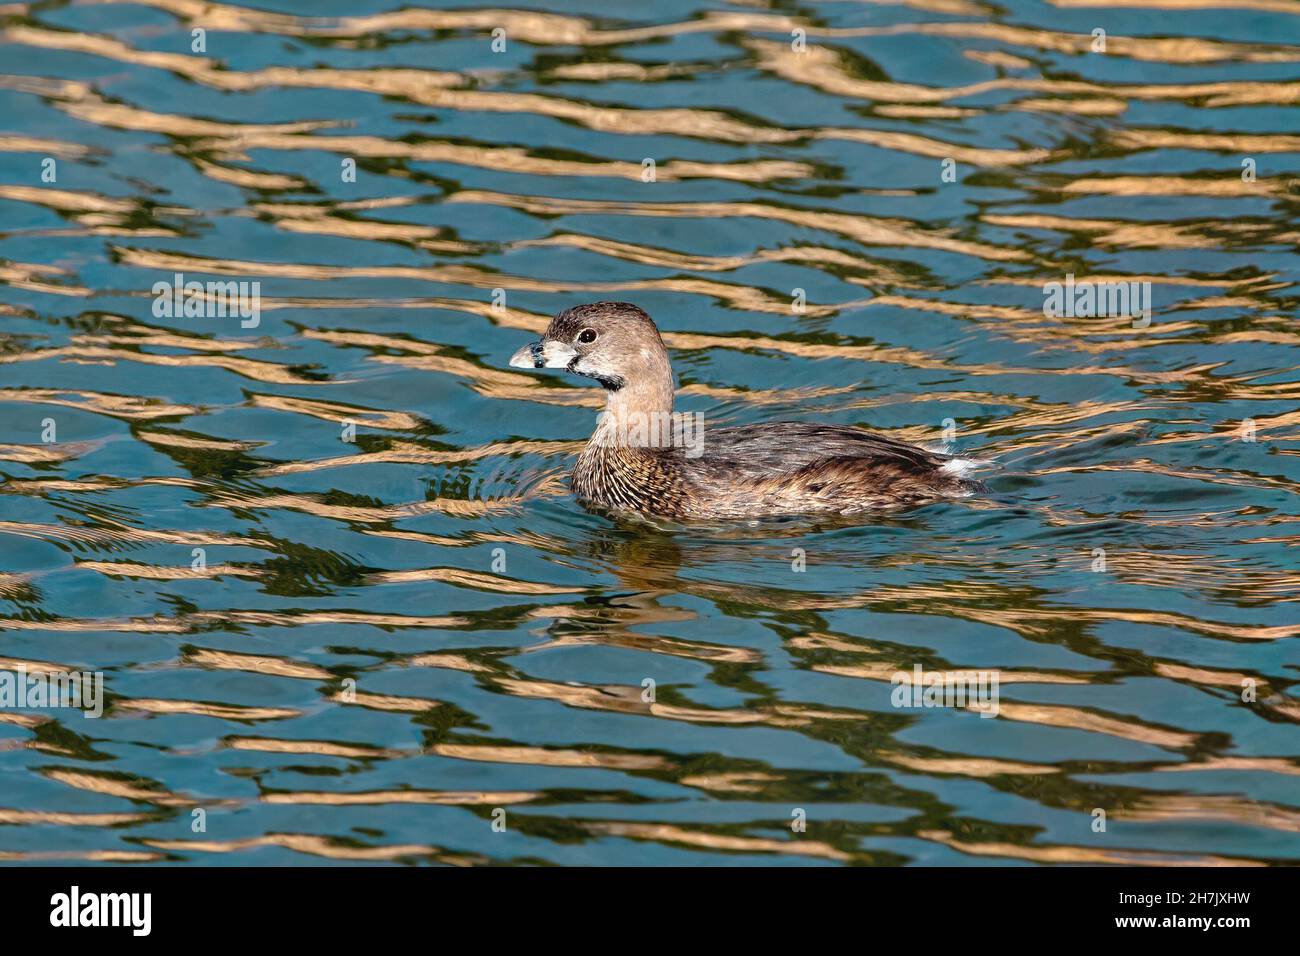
column 326, row 565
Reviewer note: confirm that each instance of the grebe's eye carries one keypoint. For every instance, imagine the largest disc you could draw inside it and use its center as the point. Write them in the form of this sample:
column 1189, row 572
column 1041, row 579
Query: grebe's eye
column 587, row 336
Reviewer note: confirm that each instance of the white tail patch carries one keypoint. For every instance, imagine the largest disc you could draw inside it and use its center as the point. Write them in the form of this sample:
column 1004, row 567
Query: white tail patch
column 961, row 467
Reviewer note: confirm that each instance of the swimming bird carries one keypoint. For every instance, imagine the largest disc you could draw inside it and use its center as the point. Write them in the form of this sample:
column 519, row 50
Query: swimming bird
column 644, row 458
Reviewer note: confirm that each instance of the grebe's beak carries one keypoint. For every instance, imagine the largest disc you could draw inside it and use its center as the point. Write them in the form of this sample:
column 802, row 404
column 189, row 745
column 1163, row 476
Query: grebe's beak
column 544, row 354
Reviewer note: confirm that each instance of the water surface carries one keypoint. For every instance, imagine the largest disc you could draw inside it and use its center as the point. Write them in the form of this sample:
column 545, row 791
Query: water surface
column 372, row 650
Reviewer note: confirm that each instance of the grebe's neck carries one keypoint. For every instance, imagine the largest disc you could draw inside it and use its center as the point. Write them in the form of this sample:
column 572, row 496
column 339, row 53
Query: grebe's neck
column 639, row 409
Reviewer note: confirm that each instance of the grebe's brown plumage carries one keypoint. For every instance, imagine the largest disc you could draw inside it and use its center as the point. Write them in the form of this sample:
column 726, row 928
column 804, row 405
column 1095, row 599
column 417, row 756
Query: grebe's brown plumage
column 635, row 462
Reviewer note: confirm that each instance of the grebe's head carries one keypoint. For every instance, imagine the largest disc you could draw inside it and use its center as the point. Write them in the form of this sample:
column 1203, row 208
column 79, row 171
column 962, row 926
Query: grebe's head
column 614, row 343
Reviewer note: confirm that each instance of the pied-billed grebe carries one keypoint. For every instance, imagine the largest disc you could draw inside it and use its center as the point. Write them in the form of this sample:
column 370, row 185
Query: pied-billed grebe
column 644, row 458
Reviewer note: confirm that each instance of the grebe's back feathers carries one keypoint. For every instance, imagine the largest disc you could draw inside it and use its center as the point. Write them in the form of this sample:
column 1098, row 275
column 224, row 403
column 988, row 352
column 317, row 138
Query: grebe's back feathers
column 766, row 447
column 775, row 467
